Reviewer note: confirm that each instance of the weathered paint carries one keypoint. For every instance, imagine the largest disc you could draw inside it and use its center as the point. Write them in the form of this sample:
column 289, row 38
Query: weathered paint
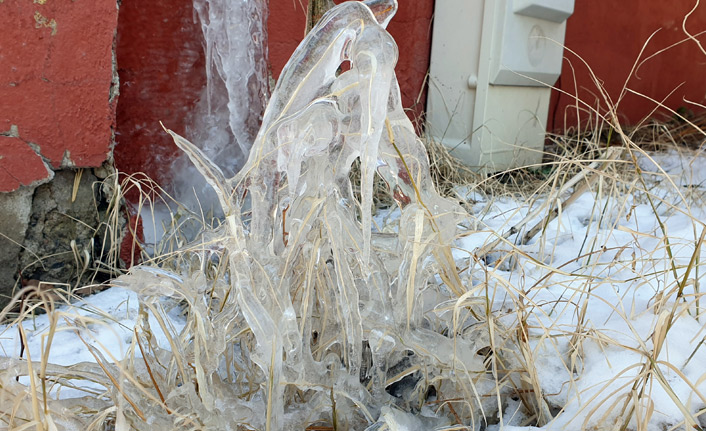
column 56, row 72
column 20, row 165
column 609, row 38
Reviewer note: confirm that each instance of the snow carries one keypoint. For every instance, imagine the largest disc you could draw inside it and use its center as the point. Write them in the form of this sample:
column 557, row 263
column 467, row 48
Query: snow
column 611, row 247
column 111, row 314
column 106, row 320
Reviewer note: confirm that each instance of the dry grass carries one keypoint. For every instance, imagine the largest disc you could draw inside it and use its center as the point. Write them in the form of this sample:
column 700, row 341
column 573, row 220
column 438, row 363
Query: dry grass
column 129, row 385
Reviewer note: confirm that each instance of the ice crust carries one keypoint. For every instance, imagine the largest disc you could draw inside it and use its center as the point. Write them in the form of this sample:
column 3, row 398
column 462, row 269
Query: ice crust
column 330, row 309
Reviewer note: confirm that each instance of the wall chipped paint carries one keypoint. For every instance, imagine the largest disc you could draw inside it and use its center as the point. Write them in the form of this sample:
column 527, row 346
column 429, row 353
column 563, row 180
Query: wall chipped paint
column 56, row 79
column 20, row 165
column 58, row 92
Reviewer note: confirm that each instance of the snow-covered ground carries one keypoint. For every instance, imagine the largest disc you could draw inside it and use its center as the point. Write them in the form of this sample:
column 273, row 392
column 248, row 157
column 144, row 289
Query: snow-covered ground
column 598, row 289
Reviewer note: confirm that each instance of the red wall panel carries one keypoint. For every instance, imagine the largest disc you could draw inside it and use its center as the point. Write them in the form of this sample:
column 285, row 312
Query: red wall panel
column 161, row 69
column 609, row 37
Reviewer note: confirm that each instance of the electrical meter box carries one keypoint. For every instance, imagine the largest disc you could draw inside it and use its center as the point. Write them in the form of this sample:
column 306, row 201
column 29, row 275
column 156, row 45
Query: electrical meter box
column 492, row 65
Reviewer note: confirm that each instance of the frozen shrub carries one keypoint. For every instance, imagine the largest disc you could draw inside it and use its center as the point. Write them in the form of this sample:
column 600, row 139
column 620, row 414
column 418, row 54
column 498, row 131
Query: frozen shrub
column 329, row 310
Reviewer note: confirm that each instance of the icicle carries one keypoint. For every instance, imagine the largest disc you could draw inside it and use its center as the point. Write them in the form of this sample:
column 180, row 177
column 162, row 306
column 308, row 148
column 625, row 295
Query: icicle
column 236, row 44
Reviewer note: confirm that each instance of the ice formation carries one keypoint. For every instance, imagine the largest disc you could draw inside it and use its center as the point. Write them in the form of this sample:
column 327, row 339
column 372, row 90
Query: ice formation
column 226, row 119
column 293, row 315
column 333, row 318
column 235, row 42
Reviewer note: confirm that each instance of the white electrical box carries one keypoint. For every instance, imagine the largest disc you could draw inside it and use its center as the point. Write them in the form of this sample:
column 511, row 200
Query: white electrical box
column 490, row 84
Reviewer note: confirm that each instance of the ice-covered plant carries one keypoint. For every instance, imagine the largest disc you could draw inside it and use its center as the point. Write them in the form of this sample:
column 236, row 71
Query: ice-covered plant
column 329, row 307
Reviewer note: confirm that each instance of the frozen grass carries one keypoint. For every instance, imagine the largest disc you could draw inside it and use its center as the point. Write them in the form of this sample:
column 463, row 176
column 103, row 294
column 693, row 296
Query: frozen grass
column 567, row 297
column 600, row 312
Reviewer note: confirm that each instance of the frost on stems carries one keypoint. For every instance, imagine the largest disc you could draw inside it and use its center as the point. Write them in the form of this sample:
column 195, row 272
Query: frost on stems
column 311, row 297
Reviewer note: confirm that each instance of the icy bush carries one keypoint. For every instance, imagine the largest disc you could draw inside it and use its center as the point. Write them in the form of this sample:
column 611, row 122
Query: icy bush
column 330, row 310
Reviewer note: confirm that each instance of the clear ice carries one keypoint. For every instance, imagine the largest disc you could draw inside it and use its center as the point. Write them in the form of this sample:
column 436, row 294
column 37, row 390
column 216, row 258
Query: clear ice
column 227, row 117
column 235, row 42
column 309, row 317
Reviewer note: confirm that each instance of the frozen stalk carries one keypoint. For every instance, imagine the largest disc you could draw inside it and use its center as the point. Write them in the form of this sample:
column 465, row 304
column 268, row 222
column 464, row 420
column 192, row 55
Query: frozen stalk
column 327, row 315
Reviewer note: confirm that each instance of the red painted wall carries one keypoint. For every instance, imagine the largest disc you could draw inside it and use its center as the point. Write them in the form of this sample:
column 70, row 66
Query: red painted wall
column 55, row 87
column 609, row 38
column 161, row 68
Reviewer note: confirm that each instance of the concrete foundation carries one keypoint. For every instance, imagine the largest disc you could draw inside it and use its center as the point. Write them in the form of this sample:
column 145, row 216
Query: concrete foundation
column 15, row 210
column 60, row 232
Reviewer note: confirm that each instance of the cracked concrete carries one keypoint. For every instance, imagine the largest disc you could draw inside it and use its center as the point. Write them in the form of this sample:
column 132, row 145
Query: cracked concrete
column 58, row 96
column 58, row 232
column 14, row 218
